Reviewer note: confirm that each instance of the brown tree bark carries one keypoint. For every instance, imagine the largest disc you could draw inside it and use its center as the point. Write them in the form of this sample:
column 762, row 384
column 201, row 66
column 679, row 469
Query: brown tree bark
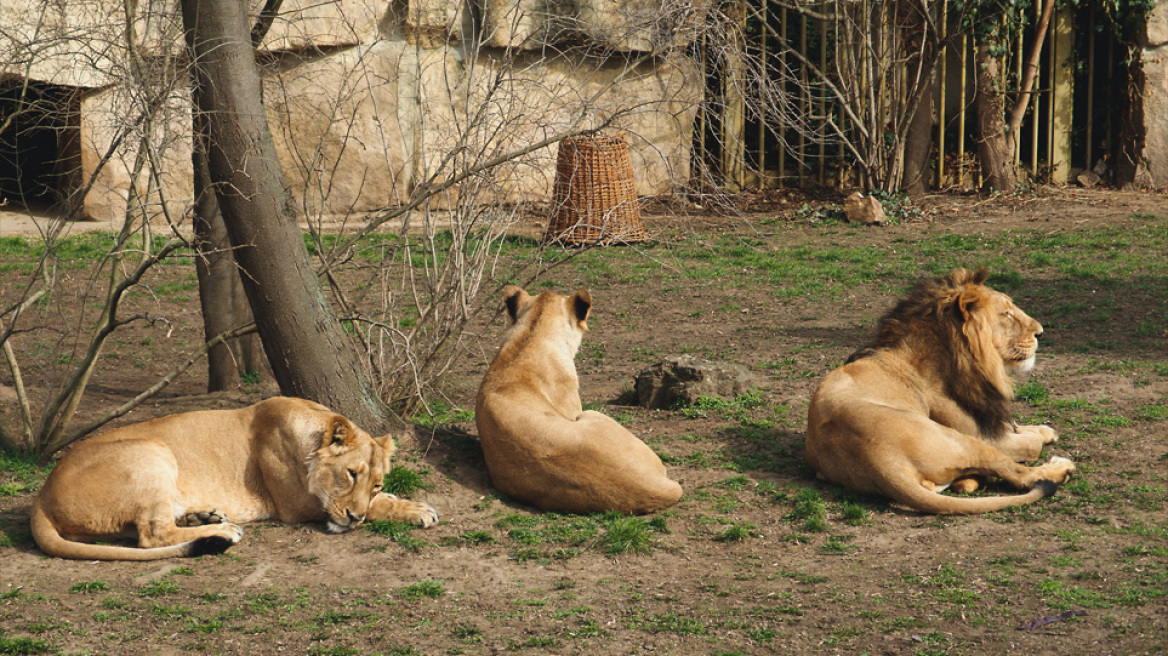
column 221, row 294
column 309, row 353
column 920, row 58
column 1129, row 150
column 995, row 145
column 997, row 135
column 918, row 146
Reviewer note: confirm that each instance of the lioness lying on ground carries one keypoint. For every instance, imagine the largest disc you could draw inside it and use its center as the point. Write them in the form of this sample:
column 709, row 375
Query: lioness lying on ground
column 181, row 484
column 540, row 445
column 927, row 405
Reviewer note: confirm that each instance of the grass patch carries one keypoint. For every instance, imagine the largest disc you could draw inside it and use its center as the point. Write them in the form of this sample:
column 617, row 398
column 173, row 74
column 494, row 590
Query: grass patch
column 399, row 532
column 670, row 623
column 404, row 482
column 23, row 645
column 423, row 589
column 441, row 413
column 158, row 588
column 86, row 587
column 810, row 511
column 738, row 532
column 627, row 535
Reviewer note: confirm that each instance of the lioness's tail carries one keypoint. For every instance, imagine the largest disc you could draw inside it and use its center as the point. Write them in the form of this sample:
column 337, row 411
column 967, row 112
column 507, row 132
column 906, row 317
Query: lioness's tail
column 50, row 541
column 912, row 494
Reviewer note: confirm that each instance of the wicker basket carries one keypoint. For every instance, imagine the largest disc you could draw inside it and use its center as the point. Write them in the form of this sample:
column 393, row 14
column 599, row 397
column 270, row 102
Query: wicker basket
column 595, row 194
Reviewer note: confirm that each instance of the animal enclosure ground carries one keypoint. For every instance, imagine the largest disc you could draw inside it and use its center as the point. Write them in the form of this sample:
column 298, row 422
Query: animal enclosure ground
column 758, row 557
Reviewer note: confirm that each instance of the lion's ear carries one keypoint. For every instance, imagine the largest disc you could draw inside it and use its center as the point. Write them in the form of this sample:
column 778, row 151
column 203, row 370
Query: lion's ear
column 581, row 306
column 514, row 297
column 969, row 301
column 962, row 276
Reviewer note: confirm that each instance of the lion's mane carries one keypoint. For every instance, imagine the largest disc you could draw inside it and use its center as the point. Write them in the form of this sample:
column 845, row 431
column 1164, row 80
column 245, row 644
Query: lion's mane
column 945, row 325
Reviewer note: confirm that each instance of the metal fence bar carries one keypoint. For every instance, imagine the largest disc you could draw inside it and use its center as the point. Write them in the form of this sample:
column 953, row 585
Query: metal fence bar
column 783, row 68
column 940, row 104
column 1087, row 161
column 1044, row 144
column 804, row 101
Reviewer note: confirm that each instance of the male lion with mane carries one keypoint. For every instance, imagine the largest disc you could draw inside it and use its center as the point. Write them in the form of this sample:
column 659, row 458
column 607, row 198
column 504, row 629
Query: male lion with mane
column 541, row 446
column 926, row 406
column 174, row 482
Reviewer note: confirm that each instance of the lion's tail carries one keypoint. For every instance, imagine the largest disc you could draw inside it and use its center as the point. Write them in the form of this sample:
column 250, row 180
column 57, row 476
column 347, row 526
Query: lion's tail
column 912, row 494
column 50, row 541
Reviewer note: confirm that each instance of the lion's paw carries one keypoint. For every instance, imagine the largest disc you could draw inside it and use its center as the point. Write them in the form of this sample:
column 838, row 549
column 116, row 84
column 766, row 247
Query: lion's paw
column 202, row 518
column 1062, row 468
column 1044, row 432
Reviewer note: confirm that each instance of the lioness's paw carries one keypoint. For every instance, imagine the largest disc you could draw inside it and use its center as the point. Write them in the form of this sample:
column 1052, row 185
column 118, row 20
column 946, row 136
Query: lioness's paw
column 202, row 518
column 387, row 506
column 233, row 532
column 424, row 515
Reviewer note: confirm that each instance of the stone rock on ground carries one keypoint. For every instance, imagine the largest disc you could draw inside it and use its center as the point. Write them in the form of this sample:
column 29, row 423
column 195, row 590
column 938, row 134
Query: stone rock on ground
column 864, row 209
column 1087, row 179
column 685, row 378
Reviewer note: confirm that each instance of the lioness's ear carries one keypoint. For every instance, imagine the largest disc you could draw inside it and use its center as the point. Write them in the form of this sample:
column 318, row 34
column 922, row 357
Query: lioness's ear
column 387, row 450
column 514, row 297
column 581, row 306
column 337, row 433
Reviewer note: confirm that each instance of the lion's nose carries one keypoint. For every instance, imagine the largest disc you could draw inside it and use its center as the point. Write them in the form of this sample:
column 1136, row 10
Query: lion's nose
column 354, row 519
column 1037, row 329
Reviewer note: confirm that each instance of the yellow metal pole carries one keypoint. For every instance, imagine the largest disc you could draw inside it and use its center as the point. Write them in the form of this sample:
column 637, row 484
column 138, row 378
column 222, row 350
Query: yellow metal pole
column 1019, row 55
column 944, row 58
column 1061, row 102
column 1036, row 98
column 961, row 116
column 1087, row 163
column 782, row 131
column 822, row 101
column 803, row 101
column 762, row 128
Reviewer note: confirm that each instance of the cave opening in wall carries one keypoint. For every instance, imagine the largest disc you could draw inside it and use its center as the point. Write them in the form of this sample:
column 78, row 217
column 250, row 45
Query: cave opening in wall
column 40, row 154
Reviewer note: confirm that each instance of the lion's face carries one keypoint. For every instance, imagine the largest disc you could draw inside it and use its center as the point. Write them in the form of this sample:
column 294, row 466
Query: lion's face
column 347, row 472
column 1015, row 333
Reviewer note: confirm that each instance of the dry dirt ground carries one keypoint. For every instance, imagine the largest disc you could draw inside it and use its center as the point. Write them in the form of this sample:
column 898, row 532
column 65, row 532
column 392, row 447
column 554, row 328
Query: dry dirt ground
column 758, row 557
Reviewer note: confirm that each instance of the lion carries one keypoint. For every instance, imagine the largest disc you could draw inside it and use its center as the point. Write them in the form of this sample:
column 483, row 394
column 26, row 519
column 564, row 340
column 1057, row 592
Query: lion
column 540, row 445
column 182, row 484
column 926, row 405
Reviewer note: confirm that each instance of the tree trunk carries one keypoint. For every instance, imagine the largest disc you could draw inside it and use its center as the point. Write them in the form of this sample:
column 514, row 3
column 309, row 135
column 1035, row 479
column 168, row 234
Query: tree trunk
column 995, row 146
column 918, row 146
column 1128, row 156
column 920, row 56
column 220, row 289
column 309, row 353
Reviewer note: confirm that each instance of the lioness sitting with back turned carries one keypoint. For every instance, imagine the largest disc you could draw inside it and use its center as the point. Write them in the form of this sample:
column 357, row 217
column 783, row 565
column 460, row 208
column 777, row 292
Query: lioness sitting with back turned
column 927, row 405
column 540, row 445
column 181, row 484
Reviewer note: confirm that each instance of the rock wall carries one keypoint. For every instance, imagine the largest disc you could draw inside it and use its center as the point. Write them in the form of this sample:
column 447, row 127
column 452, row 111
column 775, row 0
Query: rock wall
column 1156, row 99
column 358, row 131
column 368, row 98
